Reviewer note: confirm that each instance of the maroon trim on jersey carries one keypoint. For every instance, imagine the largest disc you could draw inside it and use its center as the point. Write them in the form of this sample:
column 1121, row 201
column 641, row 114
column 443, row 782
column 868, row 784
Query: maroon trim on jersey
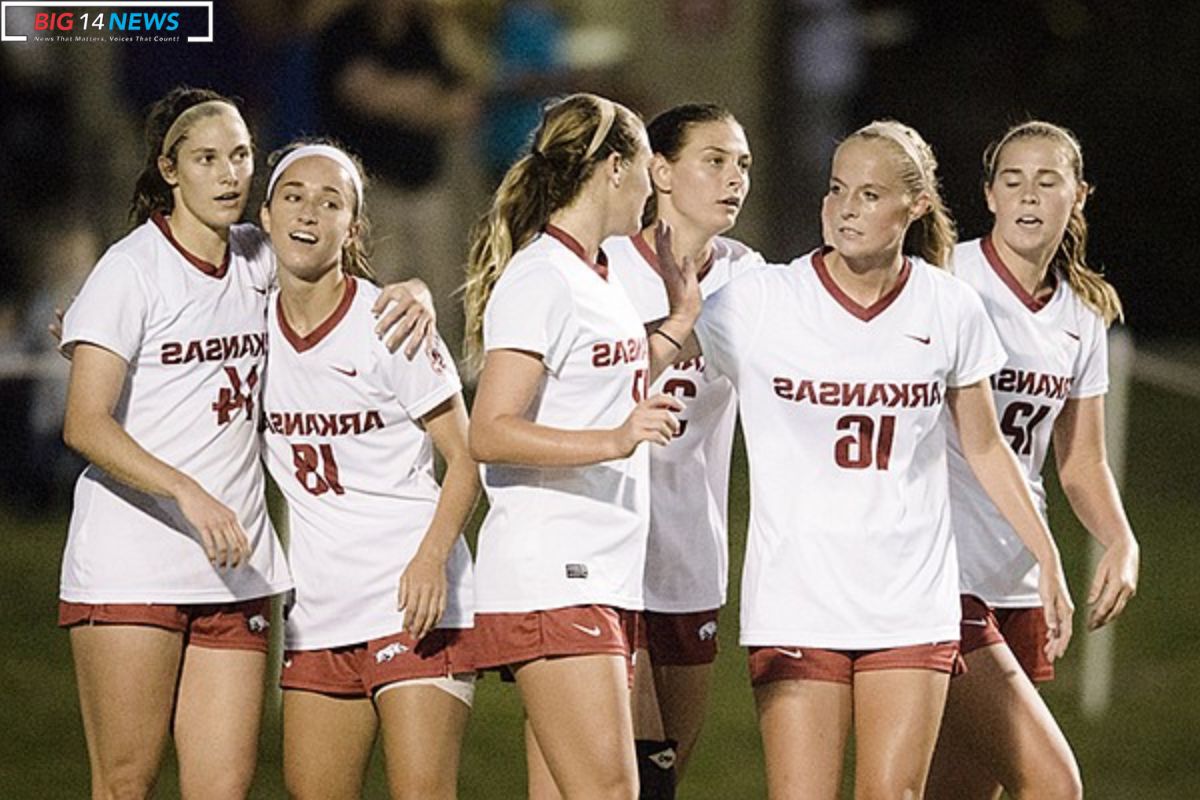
column 1002, row 271
column 647, row 252
column 207, row 267
column 599, row 266
column 864, row 313
column 301, row 343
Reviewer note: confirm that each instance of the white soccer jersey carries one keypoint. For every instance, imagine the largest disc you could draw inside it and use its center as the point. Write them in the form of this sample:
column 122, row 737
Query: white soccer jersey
column 687, row 556
column 557, row 537
column 193, row 337
column 345, row 446
column 843, row 412
column 1057, row 349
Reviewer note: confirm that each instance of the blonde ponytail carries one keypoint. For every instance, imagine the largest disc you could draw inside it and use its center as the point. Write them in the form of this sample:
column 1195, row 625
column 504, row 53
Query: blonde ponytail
column 576, row 133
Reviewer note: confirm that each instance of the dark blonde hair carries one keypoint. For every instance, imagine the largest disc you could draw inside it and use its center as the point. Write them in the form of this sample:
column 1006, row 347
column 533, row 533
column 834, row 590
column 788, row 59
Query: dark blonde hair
column 933, row 235
column 355, row 250
column 1070, row 259
column 575, row 134
column 151, row 193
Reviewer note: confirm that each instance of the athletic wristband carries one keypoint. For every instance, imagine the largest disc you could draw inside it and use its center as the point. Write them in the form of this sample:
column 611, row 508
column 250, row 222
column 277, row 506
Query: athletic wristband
column 668, row 337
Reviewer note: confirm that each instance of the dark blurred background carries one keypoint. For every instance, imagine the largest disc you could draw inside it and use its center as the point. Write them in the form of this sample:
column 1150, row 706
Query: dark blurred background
column 464, row 80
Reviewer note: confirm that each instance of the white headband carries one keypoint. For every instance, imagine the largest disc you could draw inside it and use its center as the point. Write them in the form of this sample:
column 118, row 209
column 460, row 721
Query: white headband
column 325, row 151
column 608, row 112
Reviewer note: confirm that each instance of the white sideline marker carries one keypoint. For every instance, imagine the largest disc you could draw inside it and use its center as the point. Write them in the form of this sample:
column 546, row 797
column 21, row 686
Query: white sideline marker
column 1098, row 651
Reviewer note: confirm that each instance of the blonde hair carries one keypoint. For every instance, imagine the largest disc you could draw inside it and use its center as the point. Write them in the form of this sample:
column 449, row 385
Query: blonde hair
column 1070, row 259
column 575, row 134
column 355, row 259
column 933, row 235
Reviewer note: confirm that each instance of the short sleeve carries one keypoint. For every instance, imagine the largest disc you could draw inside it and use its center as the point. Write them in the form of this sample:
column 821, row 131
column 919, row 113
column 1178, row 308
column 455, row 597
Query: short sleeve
column 978, row 352
column 729, row 323
column 1091, row 368
column 255, row 246
column 423, row 383
column 743, row 260
column 532, row 311
column 110, row 310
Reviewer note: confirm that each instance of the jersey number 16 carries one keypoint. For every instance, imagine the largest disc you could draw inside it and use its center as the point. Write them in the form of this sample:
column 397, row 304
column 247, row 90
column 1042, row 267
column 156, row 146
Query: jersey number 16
column 864, row 445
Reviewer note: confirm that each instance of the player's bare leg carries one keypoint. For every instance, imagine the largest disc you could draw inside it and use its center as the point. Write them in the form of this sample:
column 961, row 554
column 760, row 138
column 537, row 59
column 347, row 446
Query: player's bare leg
column 647, row 719
column 896, row 718
column 997, row 731
column 541, row 782
column 804, row 725
column 327, row 744
column 218, row 712
column 126, row 676
column 423, row 729
column 578, row 709
column 683, row 701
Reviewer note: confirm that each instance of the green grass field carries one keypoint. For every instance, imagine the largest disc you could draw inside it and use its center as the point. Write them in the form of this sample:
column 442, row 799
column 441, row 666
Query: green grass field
column 1146, row 747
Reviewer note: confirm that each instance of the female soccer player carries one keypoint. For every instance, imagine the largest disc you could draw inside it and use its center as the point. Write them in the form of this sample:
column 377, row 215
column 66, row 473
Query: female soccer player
column 170, row 557
column 558, row 417
column 336, row 412
column 844, row 364
column 701, row 176
column 1051, row 312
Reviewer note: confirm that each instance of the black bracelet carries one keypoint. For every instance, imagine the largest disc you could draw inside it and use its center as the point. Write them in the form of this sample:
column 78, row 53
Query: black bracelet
column 668, row 337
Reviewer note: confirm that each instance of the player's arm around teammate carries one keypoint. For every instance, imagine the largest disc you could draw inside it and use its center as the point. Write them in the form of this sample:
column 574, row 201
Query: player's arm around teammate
column 1051, row 312
column 559, row 415
column 170, row 560
column 171, row 557
column 375, row 639
column 701, row 176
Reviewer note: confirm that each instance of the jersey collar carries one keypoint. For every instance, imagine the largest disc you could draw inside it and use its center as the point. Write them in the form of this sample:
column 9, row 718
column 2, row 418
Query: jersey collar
column 208, row 268
column 301, row 343
column 864, row 313
column 600, row 266
column 1005, row 275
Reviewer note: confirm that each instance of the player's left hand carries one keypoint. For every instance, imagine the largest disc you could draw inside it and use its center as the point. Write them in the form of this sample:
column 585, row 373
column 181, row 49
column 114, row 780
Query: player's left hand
column 1114, row 584
column 423, row 593
column 406, row 315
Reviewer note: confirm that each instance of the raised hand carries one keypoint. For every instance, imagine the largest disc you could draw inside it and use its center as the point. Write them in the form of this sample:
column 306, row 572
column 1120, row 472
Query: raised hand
column 679, row 278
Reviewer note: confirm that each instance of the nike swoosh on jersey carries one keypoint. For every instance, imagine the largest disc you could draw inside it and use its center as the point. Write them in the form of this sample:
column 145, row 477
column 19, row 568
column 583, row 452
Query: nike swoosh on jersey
column 797, row 653
column 349, row 373
column 921, row 339
column 1072, row 334
column 593, row 631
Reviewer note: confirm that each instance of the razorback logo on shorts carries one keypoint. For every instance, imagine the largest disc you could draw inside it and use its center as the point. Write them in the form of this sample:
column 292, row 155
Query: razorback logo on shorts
column 391, row 651
column 257, row 624
column 707, row 631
